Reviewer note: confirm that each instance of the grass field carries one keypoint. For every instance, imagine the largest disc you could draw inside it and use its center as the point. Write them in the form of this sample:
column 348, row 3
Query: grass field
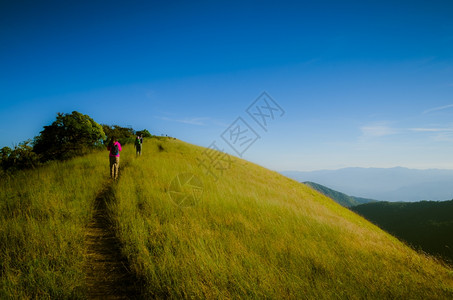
column 253, row 234
column 257, row 234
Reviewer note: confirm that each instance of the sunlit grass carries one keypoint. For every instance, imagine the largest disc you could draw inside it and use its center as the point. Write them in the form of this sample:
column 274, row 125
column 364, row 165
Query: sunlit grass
column 257, row 234
column 42, row 222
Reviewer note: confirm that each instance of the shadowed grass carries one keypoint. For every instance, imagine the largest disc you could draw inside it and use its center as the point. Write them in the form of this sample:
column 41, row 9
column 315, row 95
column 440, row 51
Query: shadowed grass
column 257, row 234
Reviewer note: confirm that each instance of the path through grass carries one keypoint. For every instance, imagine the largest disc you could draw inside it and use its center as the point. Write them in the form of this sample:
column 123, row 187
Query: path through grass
column 107, row 272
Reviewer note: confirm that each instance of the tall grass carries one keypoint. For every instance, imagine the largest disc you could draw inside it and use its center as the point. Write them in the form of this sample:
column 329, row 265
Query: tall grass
column 42, row 221
column 257, row 234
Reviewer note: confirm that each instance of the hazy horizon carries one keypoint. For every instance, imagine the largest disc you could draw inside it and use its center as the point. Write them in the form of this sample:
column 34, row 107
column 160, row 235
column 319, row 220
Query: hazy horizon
column 358, row 167
column 385, row 184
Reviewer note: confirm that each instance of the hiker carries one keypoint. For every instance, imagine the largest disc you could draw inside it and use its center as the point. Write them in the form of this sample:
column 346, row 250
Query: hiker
column 114, row 147
column 138, row 145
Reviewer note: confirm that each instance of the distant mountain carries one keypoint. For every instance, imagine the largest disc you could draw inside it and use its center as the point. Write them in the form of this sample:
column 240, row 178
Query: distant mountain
column 394, row 184
column 340, row 198
column 427, row 224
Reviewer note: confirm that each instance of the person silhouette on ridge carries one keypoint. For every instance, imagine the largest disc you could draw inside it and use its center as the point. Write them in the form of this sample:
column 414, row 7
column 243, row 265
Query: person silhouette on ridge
column 138, row 145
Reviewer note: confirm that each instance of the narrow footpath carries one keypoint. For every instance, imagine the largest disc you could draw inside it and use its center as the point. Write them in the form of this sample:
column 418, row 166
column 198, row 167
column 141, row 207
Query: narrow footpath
column 107, row 272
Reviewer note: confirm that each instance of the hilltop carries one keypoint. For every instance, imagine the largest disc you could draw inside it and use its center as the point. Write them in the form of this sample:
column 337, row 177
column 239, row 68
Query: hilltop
column 183, row 233
column 340, row 198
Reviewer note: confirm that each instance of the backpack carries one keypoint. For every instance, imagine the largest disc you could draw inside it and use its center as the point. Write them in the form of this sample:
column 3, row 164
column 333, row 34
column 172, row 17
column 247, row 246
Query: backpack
column 115, row 150
column 137, row 142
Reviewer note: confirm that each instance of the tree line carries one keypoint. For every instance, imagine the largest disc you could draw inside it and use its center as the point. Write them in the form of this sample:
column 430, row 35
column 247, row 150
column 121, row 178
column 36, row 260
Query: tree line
column 70, row 135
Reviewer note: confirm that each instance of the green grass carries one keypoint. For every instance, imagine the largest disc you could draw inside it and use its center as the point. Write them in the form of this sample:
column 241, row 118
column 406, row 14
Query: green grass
column 43, row 216
column 257, row 234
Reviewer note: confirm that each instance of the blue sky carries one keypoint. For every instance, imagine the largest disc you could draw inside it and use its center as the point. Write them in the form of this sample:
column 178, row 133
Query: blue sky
column 362, row 83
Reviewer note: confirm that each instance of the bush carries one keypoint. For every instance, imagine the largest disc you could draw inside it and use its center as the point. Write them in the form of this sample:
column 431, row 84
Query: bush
column 145, row 133
column 19, row 158
column 124, row 135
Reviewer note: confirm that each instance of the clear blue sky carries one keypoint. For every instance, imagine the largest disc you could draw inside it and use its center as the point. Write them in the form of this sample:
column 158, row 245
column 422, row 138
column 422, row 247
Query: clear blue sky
column 362, row 83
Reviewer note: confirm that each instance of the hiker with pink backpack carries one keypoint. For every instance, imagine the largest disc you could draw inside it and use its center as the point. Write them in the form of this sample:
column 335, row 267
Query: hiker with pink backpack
column 114, row 147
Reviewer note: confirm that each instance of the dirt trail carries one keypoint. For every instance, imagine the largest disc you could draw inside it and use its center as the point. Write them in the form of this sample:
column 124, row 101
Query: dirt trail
column 107, row 274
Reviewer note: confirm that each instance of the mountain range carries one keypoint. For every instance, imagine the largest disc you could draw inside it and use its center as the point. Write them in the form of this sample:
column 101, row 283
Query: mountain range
column 387, row 184
column 340, row 198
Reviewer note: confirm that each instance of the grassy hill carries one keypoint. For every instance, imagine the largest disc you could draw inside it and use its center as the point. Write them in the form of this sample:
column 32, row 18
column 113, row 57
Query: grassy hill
column 253, row 233
column 256, row 234
column 43, row 215
column 340, row 198
column 427, row 225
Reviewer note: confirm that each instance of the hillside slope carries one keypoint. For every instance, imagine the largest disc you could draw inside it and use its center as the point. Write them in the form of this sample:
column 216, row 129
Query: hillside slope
column 340, row 198
column 425, row 224
column 254, row 233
